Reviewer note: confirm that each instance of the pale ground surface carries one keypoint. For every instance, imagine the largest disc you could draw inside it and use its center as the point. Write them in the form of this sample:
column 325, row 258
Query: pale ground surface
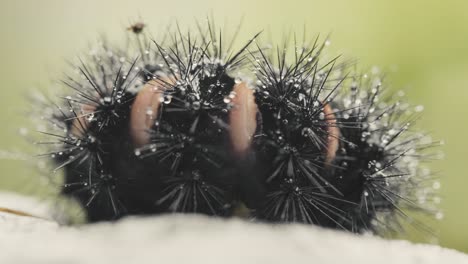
column 194, row 239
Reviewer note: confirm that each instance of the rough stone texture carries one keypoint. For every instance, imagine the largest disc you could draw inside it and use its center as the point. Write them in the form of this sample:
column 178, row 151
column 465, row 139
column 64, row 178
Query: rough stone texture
column 194, row 239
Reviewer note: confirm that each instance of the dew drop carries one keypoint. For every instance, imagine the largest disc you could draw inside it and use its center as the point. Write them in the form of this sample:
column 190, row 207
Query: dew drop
column 149, row 112
column 90, row 117
column 196, row 105
column 419, row 108
column 167, row 99
column 153, row 148
column 321, row 116
column 23, row 131
column 306, row 131
column 301, row 96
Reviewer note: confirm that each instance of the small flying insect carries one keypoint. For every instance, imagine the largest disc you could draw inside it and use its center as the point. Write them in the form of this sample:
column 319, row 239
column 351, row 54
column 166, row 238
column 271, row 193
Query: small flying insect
column 136, row 28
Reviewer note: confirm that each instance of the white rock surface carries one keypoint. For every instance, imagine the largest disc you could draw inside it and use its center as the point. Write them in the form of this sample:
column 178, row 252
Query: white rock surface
column 25, row 204
column 196, row 239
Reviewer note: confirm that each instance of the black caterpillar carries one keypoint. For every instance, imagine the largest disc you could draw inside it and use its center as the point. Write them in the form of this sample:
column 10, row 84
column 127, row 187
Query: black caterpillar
column 295, row 138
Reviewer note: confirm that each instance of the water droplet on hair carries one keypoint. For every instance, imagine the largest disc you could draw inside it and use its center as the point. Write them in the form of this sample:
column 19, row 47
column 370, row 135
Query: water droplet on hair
column 306, row 131
column 167, row 99
column 419, row 108
column 149, row 112
column 90, row 117
column 321, row 116
column 196, row 105
column 107, row 99
column 23, row 131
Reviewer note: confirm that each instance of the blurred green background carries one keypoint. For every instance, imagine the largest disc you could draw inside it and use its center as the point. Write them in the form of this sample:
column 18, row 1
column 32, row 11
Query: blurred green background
column 423, row 43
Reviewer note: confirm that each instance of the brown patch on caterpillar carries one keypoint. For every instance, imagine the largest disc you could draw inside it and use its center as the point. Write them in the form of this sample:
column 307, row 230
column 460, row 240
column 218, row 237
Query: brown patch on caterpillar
column 242, row 118
column 333, row 133
column 145, row 109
